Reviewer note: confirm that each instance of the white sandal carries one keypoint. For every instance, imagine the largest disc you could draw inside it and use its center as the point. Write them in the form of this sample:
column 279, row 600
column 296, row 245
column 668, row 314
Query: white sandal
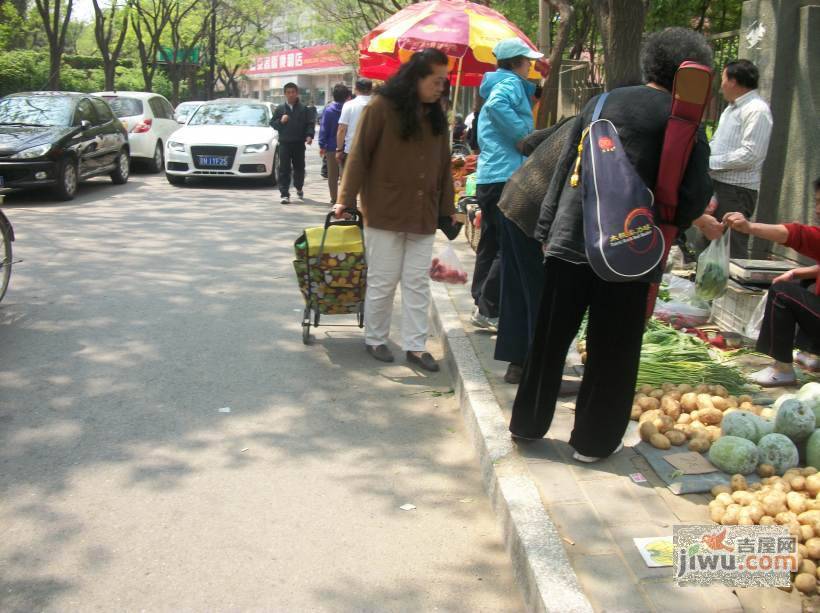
column 590, row 459
column 771, row 377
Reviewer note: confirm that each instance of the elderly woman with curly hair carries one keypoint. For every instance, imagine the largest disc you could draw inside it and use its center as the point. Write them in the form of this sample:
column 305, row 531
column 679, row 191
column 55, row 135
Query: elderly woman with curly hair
column 399, row 163
column 617, row 311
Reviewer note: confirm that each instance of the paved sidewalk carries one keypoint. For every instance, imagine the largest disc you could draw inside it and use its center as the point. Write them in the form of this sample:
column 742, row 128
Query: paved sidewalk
column 596, row 509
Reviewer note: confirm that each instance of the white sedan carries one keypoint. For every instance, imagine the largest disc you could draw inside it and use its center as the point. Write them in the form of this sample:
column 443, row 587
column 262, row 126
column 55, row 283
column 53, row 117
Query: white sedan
column 149, row 119
column 224, row 138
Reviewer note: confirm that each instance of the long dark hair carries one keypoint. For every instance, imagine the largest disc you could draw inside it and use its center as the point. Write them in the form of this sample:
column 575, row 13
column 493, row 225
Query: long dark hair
column 402, row 90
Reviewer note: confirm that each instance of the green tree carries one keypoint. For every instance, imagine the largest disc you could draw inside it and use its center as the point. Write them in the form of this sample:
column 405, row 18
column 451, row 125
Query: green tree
column 110, row 28
column 548, row 110
column 244, row 30
column 187, row 26
column 56, row 18
column 149, row 18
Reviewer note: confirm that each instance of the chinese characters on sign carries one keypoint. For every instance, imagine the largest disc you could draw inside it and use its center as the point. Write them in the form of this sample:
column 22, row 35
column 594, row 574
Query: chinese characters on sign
column 737, row 556
column 322, row 56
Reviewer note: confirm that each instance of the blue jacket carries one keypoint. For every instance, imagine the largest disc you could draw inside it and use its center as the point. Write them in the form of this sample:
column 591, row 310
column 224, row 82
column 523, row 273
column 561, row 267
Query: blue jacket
column 505, row 119
column 329, row 125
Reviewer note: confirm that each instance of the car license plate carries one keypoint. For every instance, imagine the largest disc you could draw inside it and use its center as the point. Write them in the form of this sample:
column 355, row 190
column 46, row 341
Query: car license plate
column 213, row 160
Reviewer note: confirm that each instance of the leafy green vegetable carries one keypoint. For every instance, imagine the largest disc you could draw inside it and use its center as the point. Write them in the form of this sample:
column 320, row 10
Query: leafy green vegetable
column 711, row 282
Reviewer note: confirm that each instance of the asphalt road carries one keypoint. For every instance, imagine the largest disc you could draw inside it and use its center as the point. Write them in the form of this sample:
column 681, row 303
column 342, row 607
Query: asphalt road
column 138, row 316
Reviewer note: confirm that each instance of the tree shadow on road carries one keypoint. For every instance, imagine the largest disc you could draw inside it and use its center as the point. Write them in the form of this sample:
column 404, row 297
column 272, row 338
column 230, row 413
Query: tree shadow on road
column 136, row 316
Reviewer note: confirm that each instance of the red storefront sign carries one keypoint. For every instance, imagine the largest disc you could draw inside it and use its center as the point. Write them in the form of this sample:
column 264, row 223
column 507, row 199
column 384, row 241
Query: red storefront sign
column 296, row 60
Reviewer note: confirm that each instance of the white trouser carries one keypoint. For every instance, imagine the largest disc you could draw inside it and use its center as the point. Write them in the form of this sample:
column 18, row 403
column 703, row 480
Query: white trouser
column 394, row 256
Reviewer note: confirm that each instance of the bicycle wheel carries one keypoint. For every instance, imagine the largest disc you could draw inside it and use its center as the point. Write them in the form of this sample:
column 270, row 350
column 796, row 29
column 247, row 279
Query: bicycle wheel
column 5, row 264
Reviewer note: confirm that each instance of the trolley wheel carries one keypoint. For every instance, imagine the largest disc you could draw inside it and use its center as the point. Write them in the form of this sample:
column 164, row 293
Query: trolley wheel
column 306, row 326
column 360, row 315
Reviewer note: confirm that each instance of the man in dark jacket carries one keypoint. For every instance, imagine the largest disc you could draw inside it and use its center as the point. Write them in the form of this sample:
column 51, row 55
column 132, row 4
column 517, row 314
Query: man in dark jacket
column 296, row 126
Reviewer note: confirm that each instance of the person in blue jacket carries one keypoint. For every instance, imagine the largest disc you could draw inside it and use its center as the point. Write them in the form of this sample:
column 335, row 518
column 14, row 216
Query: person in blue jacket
column 327, row 137
column 505, row 119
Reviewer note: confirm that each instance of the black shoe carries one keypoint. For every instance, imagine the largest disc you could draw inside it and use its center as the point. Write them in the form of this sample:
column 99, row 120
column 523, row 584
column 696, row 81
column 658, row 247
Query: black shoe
column 513, row 374
column 425, row 360
column 380, row 352
column 300, row 194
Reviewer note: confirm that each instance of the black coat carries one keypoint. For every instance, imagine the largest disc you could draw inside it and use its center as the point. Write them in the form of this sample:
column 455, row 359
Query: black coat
column 301, row 123
column 639, row 113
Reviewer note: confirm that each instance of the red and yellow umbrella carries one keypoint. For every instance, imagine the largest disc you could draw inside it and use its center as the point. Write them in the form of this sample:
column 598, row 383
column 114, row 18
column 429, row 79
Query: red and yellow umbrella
column 466, row 32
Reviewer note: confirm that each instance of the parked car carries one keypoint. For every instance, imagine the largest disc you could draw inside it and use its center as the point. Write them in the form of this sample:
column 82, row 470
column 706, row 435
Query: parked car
column 229, row 137
column 185, row 109
column 58, row 139
column 149, row 119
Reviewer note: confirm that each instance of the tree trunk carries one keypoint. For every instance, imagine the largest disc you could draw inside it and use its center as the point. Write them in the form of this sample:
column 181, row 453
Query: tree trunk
column 174, row 76
column 55, row 57
column 621, row 24
column 584, row 27
column 548, row 110
column 55, row 27
column 110, row 73
column 702, row 20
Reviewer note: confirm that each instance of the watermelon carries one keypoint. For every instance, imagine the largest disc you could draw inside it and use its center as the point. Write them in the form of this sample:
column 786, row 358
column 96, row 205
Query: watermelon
column 813, row 449
column 779, row 451
column 795, row 420
column 809, row 395
column 781, row 399
column 734, row 455
column 743, row 424
column 765, row 426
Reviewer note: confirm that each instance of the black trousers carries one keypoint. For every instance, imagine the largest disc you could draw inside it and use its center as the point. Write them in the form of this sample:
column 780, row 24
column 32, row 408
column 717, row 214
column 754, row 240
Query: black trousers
column 617, row 314
column 789, row 306
column 486, row 287
column 731, row 199
column 522, row 279
column 291, row 154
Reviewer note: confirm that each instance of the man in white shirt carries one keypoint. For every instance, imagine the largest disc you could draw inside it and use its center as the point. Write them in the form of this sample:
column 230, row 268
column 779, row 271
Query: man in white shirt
column 351, row 112
column 739, row 148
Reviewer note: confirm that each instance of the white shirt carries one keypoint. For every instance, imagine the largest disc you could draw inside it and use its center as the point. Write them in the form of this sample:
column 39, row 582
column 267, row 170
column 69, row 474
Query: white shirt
column 351, row 112
column 740, row 142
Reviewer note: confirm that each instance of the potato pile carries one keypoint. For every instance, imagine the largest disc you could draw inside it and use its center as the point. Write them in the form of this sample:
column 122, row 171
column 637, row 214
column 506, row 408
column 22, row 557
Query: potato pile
column 673, row 414
column 792, row 500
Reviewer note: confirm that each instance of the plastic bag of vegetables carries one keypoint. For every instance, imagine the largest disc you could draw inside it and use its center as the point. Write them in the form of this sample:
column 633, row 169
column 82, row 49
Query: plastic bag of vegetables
column 446, row 267
column 713, row 269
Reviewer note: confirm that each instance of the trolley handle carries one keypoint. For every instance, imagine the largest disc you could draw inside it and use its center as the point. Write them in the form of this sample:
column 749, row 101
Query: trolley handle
column 355, row 220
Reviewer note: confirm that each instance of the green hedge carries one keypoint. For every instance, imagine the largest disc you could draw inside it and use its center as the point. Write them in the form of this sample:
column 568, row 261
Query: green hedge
column 92, row 61
column 28, row 70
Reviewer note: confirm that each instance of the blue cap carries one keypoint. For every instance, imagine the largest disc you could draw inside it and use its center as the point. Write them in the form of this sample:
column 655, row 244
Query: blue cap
column 514, row 47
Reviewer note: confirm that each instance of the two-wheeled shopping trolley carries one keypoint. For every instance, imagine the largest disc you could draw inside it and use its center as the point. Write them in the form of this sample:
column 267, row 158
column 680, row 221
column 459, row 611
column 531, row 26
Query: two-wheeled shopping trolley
column 331, row 270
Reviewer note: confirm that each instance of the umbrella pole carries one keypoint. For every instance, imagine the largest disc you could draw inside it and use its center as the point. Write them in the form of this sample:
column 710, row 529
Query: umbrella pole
column 455, row 100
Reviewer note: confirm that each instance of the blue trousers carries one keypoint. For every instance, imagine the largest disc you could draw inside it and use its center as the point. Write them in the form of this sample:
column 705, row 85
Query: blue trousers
column 522, row 278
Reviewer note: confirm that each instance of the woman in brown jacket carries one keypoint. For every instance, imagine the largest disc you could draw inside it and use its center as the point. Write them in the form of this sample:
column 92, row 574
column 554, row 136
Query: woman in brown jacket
column 399, row 164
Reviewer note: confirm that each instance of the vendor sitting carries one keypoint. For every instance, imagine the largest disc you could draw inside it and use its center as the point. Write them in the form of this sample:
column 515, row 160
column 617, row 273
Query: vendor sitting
column 789, row 305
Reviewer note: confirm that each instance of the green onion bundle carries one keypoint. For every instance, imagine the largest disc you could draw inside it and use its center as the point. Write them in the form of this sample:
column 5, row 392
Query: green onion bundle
column 670, row 356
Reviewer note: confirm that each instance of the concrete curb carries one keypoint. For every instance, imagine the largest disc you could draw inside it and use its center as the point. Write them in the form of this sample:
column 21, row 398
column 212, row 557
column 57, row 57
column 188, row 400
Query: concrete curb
column 540, row 563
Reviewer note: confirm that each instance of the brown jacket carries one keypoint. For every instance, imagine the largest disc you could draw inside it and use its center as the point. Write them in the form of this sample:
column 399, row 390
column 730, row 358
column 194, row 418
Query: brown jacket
column 405, row 185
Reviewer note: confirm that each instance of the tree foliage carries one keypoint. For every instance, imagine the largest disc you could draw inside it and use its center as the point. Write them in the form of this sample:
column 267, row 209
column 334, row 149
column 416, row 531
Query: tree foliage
column 110, row 28
column 244, row 30
column 136, row 29
column 56, row 18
